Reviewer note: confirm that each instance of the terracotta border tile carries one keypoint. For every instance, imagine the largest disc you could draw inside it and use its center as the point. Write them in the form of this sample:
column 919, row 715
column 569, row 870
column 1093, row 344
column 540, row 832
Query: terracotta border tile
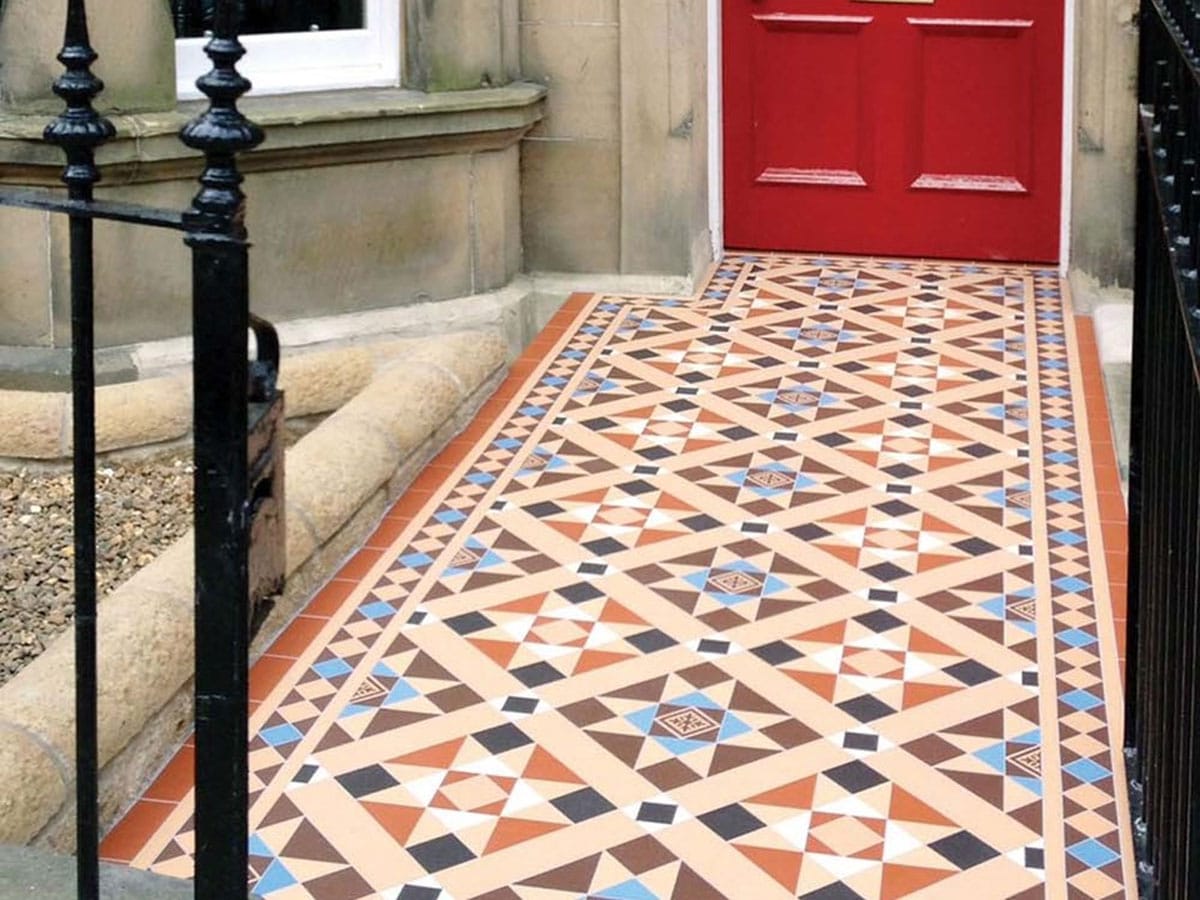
column 133, row 831
column 177, row 778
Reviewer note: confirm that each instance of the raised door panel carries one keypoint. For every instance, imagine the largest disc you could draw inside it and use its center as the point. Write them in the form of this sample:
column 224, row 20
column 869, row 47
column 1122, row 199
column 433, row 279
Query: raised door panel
column 811, row 119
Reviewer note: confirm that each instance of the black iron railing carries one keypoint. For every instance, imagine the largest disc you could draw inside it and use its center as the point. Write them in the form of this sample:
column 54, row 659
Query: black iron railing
column 239, row 474
column 1162, row 735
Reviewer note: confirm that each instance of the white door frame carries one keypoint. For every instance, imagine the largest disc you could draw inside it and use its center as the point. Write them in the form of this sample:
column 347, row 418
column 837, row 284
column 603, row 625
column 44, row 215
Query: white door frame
column 716, row 145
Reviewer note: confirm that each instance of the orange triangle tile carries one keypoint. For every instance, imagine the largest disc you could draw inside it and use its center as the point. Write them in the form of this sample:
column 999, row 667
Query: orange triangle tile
column 797, row 795
column 927, row 562
column 544, row 767
column 833, row 633
column 819, row 683
column 441, row 801
column 531, row 605
column 492, row 809
column 848, row 555
column 617, row 613
column 900, row 881
column 499, row 652
column 920, row 642
column 782, row 865
column 653, row 536
column 456, row 777
column 937, row 463
column 398, row 821
column 590, row 660
column 916, row 694
column 440, row 756
column 573, row 530
column 855, row 517
column 933, row 523
column 905, row 807
column 516, row 831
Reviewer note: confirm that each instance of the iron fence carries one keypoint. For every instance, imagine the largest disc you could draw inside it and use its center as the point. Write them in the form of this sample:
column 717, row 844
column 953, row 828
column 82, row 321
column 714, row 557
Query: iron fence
column 1162, row 736
column 238, row 460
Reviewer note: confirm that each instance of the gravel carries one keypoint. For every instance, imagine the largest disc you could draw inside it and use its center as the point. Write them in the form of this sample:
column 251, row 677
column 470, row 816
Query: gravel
column 143, row 506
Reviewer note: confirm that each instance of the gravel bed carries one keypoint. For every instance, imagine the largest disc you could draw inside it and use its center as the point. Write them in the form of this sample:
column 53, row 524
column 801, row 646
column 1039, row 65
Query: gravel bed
column 143, row 506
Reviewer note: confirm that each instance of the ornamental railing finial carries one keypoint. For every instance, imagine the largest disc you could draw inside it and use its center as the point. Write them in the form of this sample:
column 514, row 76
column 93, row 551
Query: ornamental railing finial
column 221, row 131
column 79, row 129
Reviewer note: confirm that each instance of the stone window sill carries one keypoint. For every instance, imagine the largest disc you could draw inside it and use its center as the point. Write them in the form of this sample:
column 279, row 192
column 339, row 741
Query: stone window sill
column 406, row 122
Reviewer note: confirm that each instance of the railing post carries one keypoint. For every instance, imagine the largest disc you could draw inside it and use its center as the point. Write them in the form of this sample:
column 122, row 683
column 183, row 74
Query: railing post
column 220, row 278
column 79, row 130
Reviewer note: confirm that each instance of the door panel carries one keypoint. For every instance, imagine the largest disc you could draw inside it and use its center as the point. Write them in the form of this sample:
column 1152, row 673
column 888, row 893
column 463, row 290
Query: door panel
column 917, row 129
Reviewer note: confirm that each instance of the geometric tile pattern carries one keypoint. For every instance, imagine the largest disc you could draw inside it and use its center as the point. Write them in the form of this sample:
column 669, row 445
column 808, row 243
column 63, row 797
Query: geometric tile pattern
column 791, row 589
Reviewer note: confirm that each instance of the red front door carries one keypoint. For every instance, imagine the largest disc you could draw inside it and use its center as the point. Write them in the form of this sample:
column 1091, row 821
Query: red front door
column 928, row 129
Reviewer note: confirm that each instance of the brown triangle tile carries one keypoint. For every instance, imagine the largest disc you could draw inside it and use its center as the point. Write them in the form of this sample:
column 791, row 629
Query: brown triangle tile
column 425, row 666
column 625, row 747
column 728, row 756
column 390, row 720
column 642, row 855
column 345, row 885
column 575, row 877
column 668, row 775
column 651, row 690
column 690, row 886
column 308, row 843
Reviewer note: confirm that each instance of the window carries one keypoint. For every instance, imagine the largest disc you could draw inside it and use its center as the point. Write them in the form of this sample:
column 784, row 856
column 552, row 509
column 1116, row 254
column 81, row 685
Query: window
column 297, row 46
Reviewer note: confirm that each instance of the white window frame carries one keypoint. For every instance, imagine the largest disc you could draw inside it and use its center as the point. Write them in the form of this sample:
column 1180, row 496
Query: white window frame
column 307, row 60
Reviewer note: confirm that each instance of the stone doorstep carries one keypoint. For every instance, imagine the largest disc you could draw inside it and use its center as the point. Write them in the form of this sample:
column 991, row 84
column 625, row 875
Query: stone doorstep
column 29, row 873
column 349, row 466
column 1113, row 322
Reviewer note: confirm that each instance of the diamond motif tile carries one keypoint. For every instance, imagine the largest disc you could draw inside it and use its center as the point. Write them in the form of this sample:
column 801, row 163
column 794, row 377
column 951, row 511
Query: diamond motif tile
column 759, row 593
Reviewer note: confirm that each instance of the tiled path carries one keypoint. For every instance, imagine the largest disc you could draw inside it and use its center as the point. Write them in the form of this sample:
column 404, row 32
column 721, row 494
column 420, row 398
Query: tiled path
column 794, row 589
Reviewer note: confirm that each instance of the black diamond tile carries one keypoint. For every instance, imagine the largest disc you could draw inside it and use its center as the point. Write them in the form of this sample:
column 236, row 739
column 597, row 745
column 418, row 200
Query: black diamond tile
column 581, row 592
column 879, row 621
column 680, row 405
column 441, row 853
column 855, row 776
column 657, row 813
column 418, row 892
column 971, row 672
column 979, row 451
column 694, row 377
column 911, row 404
column 502, row 738
column 543, row 510
column 777, row 653
column 895, row 508
column 604, row 546
column 709, row 645
column 646, row 470
column 755, row 527
column 852, row 367
column 980, row 374
column 808, row 532
column 652, row 641
column 855, row 740
column 765, row 362
column 731, row 821
column 913, row 390
column 521, row 705
column 812, row 364
column 866, row 709
column 636, row 488
column 1035, row 858
column 469, row 623
column 645, row 353
column 879, row 595
column 370, row 780
column 1029, row 679
column 591, row 568
column 834, row 440
column 909, row 421
column 653, row 453
column 600, row 424
column 899, row 489
column 715, row 340
column 964, row 850
column 537, row 674
column 785, row 437
column 304, row 776
column 701, row 523
column 738, row 433
column 687, row 391
column 975, row 546
column 902, row 470
column 418, row 617
column 886, row 571
column 582, row 805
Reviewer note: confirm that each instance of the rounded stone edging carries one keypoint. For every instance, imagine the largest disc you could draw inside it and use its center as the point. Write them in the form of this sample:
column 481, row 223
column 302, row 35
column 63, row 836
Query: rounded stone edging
column 36, row 425
column 145, row 629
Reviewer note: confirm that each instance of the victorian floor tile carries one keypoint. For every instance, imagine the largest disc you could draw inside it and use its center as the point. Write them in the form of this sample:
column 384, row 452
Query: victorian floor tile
column 802, row 587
